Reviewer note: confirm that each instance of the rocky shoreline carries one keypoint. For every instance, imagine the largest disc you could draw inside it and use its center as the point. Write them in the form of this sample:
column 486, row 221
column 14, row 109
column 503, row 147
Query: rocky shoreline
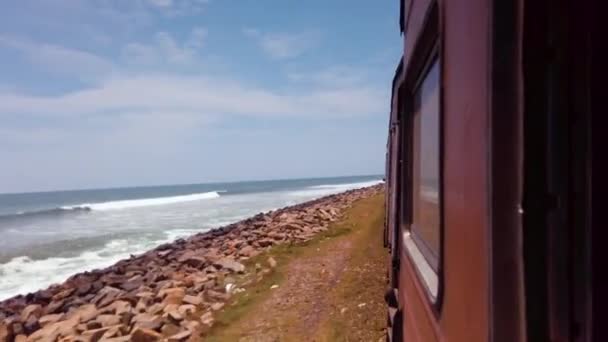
column 172, row 292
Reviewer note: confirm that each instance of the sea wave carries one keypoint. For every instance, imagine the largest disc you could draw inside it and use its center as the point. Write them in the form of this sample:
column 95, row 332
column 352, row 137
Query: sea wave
column 317, row 191
column 112, row 205
column 145, row 202
column 43, row 213
column 347, row 185
column 24, row 274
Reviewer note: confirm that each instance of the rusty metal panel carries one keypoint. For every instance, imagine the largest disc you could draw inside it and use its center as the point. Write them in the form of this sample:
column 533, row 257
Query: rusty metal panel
column 466, row 68
column 417, row 12
column 419, row 322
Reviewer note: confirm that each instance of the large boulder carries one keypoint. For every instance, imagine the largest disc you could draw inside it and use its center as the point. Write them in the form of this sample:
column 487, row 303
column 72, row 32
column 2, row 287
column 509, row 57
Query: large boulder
column 31, row 310
column 230, row 265
column 145, row 335
column 6, row 333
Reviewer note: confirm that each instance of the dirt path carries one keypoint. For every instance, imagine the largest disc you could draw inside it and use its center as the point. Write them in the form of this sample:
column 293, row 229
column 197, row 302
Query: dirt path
column 330, row 289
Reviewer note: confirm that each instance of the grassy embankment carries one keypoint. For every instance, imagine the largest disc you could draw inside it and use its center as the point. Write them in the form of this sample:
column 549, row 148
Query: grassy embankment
column 327, row 289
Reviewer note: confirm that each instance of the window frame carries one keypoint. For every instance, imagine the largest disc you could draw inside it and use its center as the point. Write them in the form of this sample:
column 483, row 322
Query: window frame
column 431, row 257
column 426, row 52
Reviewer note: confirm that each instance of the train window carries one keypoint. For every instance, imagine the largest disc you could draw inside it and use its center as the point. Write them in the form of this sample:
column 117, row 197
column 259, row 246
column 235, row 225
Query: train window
column 426, row 226
column 423, row 238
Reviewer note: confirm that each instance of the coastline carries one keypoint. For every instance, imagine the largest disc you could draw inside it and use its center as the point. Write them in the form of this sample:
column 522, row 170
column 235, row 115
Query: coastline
column 172, row 291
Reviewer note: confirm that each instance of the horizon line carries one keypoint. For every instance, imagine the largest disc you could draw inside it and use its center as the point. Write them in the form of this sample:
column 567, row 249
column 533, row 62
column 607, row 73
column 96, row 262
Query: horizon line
column 183, row 184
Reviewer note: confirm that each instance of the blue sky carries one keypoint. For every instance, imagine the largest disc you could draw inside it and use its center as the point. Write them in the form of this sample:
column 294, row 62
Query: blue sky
column 104, row 93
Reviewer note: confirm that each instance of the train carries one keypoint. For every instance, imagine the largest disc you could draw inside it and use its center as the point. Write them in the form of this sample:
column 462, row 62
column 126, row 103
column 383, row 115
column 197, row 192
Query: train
column 493, row 173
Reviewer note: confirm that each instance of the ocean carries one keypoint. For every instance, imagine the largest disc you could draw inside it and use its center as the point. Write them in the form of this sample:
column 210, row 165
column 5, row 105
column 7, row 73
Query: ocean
column 49, row 236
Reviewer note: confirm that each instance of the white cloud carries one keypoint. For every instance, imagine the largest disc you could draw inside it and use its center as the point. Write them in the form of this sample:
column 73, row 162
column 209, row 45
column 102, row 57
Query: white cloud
column 59, row 59
column 175, row 8
column 200, row 95
column 284, row 45
column 165, row 49
column 161, row 3
column 334, row 76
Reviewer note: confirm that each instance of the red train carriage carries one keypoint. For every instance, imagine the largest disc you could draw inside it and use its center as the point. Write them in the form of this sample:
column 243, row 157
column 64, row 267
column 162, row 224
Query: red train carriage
column 491, row 154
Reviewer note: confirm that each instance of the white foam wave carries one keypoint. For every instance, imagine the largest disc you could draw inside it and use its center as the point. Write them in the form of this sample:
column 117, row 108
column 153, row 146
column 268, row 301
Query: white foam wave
column 317, row 191
column 23, row 274
column 145, row 202
column 347, row 186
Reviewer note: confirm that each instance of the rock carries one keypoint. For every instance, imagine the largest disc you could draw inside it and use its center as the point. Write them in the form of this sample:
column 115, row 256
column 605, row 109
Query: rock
column 186, row 309
column 170, row 329
column 32, row 309
column 67, row 339
column 118, row 339
column 175, row 315
column 17, row 328
column 115, row 331
column 105, row 296
column 213, row 254
column 158, row 308
column 108, row 320
column 172, row 295
column 119, row 307
column 217, row 306
column 275, row 286
column 145, row 294
column 265, row 242
column 84, row 313
column 52, row 331
column 145, row 335
column 90, row 325
column 54, row 307
column 19, row 338
column 190, row 325
column 64, row 294
column 277, row 236
column 95, row 335
column 6, row 334
column 31, row 325
column 125, row 317
column 194, row 300
column 128, row 298
column 170, row 307
column 163, row 254
column 229, row 264
column 193, row 260
column 272, row 262
column 215, row 295
column 83, row 289
column 207, row 318
column 290, row 226
column 147, row 321
column 182, row 336
column 248, row 251
column 132, row 284
column 47, row 319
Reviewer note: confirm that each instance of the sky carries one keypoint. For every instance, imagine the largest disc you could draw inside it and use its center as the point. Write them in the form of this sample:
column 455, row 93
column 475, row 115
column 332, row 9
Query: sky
column 111, row 93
